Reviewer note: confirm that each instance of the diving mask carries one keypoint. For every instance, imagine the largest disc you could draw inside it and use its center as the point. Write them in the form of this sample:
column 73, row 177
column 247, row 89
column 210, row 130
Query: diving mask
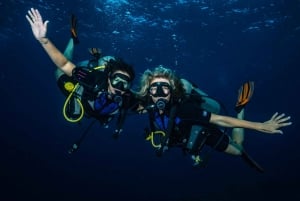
column 120, row 81
column 160, row 89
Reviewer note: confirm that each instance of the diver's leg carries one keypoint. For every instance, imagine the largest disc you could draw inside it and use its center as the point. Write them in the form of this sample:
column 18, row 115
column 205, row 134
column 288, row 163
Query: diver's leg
column 238, row 133
column 225, row 144
column 68, row 53
column 244, row 95
column 235, row 146
column 233, row 149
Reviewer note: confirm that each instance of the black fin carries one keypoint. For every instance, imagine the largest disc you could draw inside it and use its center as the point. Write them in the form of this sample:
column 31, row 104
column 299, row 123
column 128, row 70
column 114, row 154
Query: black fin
column 246, row 157
column 74, row 34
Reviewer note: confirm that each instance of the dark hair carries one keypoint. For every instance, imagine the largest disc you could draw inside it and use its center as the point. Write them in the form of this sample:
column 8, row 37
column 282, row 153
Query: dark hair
column 116, row 64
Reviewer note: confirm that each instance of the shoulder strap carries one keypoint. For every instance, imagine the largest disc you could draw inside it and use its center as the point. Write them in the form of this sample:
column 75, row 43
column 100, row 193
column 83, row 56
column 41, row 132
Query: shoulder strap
column 120, row 123
column 126, row 105
column 164, row 144
column 151, row 119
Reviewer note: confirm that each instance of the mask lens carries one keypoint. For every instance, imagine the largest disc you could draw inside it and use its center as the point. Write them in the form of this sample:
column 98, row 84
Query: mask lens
column 160, row 89
column 120, row 81
column 153, row 90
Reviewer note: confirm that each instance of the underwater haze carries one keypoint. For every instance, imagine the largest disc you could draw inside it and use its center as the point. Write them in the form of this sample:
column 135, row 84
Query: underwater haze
column 218, row 44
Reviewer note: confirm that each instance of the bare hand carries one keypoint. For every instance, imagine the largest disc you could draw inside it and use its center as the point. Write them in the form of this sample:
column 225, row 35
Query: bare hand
column 39, row 28
column 277, row 121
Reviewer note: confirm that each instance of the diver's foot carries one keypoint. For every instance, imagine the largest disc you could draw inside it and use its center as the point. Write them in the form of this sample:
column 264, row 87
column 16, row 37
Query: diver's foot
column 244, row 95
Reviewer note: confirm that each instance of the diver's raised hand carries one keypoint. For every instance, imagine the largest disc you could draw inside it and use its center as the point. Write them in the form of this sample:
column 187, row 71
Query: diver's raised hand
column 277, row 121
column 39, row 28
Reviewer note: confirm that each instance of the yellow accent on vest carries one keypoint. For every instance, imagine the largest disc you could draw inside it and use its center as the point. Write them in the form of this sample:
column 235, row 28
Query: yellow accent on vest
column 80, row 105
column 151, row 136
column 69, row 86
column 99, row 67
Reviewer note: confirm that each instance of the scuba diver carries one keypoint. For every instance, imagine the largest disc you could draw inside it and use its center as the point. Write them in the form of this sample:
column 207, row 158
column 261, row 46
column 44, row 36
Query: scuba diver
column 181, row 117
column 100, row 90
column 72, row 110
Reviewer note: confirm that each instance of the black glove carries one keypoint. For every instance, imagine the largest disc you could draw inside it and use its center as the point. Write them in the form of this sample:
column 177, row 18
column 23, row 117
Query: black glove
column 85, row 77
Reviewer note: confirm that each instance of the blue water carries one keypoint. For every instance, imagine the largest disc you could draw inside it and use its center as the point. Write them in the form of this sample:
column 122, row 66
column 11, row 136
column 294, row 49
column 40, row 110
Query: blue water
column 218, row 44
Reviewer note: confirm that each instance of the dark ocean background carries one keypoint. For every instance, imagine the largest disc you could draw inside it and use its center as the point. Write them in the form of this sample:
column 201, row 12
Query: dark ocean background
column 218, row 44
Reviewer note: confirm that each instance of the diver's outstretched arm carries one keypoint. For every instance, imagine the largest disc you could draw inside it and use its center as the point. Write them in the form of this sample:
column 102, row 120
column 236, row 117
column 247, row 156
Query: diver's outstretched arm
column 39, row 30
column 271, row 126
